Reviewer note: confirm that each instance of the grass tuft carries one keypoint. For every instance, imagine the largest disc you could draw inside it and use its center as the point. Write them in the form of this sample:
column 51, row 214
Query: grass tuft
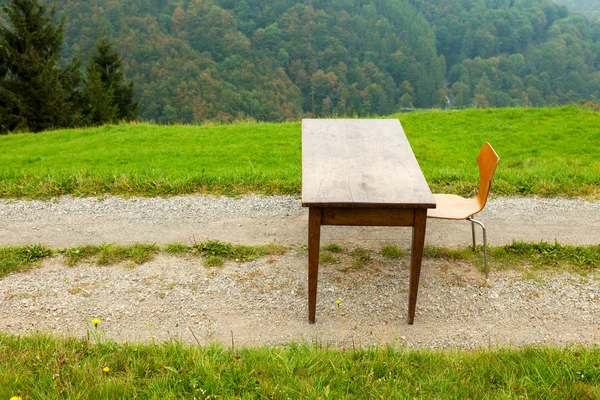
column 361, row 256
column 235, row 251
column 110, row 254
column 543, row 255
column 582, row 259
column 213, row 261
column 392, row 251
column 328, row 258
column 175, row 249
column 21, row 259
column 334, row 248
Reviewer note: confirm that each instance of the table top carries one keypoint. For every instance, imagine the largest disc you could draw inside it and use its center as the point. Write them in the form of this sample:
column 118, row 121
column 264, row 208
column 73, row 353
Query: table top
column 360, row 163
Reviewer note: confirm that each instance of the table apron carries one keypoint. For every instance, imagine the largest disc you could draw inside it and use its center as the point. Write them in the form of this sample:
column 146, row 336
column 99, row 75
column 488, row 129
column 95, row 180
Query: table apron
column 368, row 216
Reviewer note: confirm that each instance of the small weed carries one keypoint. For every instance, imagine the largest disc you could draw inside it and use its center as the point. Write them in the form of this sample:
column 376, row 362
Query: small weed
column 361, row 256
column 76, row 255
column 236, row 252
column 327, row 257
column 74, row 290
column 109, row 254
column 274, row 249
column 334, row 248
column 175, row 249
column 137, row 253
column 213, row 261
column 392, row 251
column 215, row 248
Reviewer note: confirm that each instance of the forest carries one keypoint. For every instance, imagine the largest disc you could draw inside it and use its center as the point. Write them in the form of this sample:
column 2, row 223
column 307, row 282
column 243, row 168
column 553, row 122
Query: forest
column 589, row 8
column 198, row 60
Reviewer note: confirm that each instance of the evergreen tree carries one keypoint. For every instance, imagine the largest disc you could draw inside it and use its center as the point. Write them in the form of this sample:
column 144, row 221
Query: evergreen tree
column 35, row 93
column 107, row 98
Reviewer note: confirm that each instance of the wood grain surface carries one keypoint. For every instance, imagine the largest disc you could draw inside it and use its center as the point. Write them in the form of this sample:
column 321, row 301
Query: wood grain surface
column 360, row 163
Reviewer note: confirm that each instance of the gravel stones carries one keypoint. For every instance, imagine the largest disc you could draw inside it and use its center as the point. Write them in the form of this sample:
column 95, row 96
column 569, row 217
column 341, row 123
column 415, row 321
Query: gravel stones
column 252, row 220
column 264, row 301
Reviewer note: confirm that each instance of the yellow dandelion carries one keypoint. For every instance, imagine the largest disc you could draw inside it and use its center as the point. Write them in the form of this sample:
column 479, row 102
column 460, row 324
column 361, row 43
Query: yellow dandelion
column 15, row 398
column 96, row 321
column 338, row 302
column 106, row 369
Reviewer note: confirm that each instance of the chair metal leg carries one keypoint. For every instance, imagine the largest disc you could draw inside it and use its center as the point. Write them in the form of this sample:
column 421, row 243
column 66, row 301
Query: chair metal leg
column 484, row 242
column 473, row 232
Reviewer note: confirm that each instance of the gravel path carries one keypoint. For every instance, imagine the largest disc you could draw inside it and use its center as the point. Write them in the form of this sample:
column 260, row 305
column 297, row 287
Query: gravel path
column 264, row 301
column 69, row 221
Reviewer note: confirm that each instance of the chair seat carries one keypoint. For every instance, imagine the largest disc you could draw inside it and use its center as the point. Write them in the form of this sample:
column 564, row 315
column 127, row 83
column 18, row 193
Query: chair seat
column 451, row 206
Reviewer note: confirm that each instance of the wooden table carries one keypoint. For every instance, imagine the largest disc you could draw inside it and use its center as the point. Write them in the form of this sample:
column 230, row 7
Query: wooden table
column 364, row 173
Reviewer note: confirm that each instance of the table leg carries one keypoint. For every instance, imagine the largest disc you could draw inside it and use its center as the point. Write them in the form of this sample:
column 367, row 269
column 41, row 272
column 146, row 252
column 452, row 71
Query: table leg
column 418, row 242
column 314, row 243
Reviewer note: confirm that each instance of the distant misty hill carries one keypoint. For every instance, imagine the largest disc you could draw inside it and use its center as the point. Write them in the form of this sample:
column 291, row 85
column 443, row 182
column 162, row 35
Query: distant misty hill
column 589, row 8
column 196, row 60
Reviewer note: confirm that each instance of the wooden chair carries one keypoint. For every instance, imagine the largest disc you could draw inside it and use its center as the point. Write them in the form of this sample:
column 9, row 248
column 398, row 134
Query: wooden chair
column 451, row 206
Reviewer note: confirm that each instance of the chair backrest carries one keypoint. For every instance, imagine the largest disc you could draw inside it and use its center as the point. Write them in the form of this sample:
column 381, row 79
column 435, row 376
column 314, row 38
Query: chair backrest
column 487, row 160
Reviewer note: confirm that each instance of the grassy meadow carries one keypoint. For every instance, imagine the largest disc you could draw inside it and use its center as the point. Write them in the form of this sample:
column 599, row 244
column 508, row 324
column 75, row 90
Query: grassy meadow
column 40, row 366
column 546, row 152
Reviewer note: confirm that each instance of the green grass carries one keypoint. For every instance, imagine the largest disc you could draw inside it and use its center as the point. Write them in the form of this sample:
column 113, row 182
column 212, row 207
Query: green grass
column 150, row 160
column 361, row 256
column 330, row 254
column 237, row 252
column 20, row 259
column 392, row 251
column 326, row 257
column 546, row 152
column 23, row 258
column 518, row 255
column 39, row 366
column 334, row 248
column 213, row 261
column 214, row 252
column 540, row 256
column 110, row 254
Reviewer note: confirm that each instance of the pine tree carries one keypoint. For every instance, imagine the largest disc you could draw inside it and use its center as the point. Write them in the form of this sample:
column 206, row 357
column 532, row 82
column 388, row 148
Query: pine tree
column 107, row 98
column 35, row 93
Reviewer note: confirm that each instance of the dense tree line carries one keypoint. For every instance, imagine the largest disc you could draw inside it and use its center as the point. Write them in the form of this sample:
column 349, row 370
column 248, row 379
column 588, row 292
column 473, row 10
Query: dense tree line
column 194, row 60
column 197, row 60
column 36, row 93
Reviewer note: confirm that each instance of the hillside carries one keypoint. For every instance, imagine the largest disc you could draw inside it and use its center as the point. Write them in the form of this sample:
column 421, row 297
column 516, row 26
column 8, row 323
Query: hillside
column 223, row 59
column 589, row 8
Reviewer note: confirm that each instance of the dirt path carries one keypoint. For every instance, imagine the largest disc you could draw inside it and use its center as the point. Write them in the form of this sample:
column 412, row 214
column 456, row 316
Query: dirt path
column 255, row 220
column 264, row 301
